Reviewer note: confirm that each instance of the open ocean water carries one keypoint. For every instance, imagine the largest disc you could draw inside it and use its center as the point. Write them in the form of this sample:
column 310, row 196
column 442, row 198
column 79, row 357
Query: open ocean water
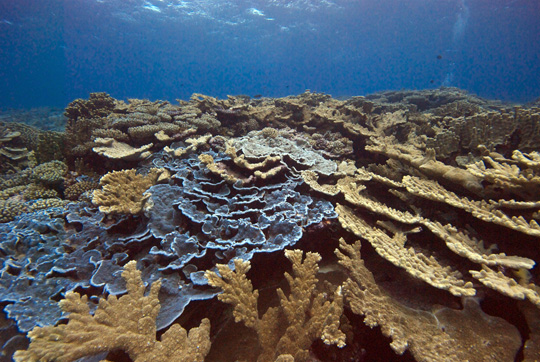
column 52, row 52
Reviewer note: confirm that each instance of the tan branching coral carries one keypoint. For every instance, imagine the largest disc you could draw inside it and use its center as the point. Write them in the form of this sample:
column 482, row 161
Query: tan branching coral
column 242, row 169
column 194, row 144
column 507, row 286
column 148, row 131
column 432, row 190
column 520, row 176
column 241, row 160
column 461, row 243
column 301, row 318
column 445, row 335
column 427, row 164
column 127, row 323
column 415, row 263
column 123, row 192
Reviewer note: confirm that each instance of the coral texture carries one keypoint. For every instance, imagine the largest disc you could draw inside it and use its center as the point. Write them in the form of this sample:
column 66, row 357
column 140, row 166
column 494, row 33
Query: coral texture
column 126, row 323
column 123, row 192
column 302, row 317
column 441, row 187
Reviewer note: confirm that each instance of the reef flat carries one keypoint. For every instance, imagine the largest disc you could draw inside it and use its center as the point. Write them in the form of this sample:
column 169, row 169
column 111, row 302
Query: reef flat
column 401, row 225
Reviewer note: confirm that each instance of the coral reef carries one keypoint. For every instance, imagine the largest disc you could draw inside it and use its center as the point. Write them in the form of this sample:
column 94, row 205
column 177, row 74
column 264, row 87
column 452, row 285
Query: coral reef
column 467, row 335
column 300, row 319
column 123, row 192
column 126, row 323
column 208, row 197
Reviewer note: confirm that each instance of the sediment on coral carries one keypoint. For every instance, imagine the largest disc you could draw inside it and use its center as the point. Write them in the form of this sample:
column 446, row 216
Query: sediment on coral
column 440, row 187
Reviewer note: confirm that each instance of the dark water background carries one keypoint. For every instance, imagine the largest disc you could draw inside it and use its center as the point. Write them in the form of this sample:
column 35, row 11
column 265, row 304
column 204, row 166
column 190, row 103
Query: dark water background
column 52, row 52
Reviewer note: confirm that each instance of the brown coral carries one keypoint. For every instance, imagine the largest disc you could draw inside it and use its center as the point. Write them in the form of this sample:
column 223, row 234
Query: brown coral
column 127, row 323
column 123, row 192
column 445, row 335
column 301, row 318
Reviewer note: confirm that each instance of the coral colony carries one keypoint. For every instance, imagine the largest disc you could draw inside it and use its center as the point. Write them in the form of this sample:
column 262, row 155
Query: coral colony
column 400, row 225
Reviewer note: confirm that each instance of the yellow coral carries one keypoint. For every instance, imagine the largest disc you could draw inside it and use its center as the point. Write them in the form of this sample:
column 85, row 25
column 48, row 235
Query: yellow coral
column 127, row 323
column 302, row 317
column 415, row 263
column 123, row 191
column 468, row 334
column 50, row 172
column 111, row 148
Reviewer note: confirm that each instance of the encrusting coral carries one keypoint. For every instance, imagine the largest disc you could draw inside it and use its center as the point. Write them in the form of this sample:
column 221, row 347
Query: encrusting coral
column 301, row 318
column 127, row 323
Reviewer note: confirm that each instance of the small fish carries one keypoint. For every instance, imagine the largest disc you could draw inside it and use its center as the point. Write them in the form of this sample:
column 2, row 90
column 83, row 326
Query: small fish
column 439, row 57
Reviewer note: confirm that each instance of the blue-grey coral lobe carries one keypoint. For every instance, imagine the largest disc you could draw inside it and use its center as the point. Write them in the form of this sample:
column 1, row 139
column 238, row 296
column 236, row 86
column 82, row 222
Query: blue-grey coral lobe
column 196, row 215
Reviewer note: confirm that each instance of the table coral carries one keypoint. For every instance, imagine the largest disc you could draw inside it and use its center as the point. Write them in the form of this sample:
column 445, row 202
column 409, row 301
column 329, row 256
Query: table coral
column 111, row 148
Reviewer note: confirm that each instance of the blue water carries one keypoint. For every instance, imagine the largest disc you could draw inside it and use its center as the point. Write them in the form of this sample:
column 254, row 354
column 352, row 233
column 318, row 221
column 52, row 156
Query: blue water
column 52, row 52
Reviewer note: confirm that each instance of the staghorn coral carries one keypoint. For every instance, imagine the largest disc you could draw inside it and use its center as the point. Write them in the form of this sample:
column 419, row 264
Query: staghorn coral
column 301, row 318
column 123, row 192
column 126, row 323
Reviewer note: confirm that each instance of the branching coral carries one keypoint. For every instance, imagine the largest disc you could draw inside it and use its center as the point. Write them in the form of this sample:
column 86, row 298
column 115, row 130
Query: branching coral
column 301, row 318
column 127, row 323
column 446, row 335
column 123, row 192
column 393, row 249
column 413, row 170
